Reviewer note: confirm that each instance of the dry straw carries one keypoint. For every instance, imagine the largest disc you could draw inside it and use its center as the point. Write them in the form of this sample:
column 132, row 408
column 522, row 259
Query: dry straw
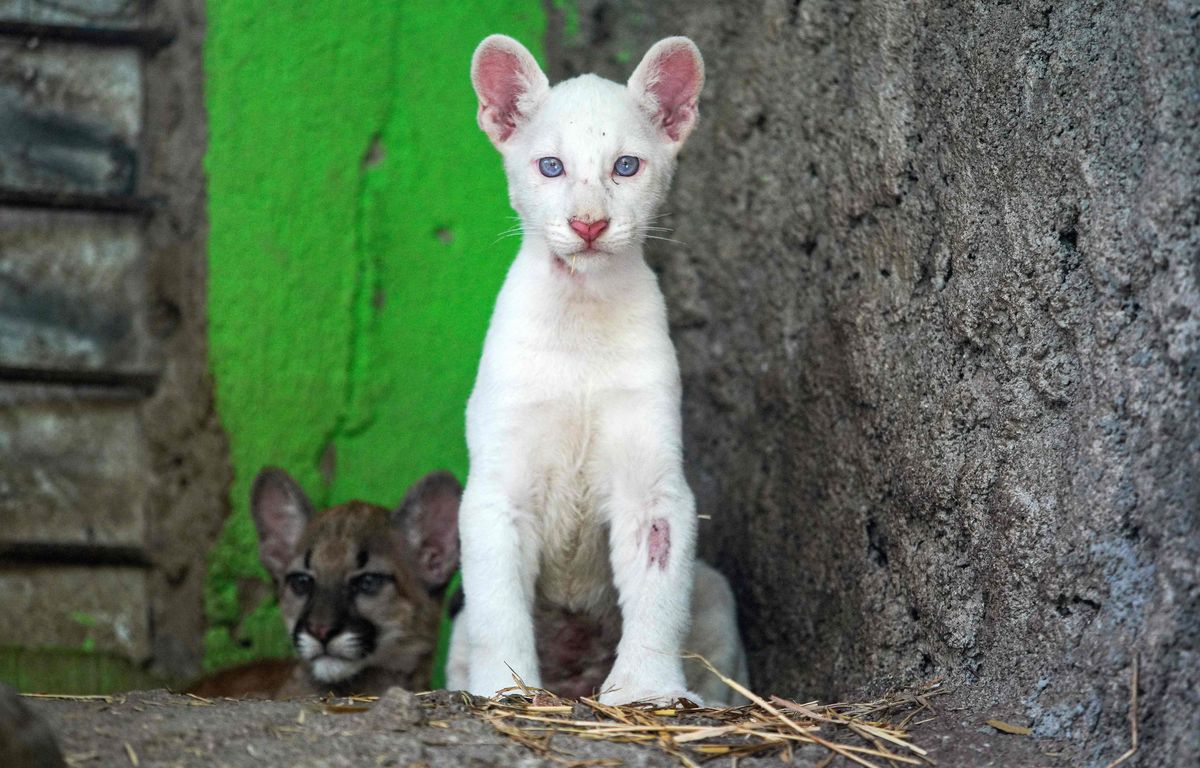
column 861, row 733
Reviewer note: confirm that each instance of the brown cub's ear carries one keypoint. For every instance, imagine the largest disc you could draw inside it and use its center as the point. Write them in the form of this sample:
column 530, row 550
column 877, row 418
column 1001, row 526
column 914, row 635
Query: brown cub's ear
column 427, row 524
column 280, row 511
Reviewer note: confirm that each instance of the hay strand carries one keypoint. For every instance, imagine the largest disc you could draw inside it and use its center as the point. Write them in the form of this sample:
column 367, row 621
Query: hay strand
column 858, row 732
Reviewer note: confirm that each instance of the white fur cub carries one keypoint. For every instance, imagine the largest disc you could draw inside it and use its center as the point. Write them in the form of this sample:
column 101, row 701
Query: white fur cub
column 577, row 519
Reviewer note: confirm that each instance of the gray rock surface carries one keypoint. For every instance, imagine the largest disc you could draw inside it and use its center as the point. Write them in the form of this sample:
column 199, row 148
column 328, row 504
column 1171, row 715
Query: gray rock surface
column 155, row 729
column 939, row 320
column 25, row 739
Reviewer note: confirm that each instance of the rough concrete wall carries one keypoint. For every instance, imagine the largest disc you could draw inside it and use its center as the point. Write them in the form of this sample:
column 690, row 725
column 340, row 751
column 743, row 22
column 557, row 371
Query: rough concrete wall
column 189, row 453
column 112, row 465
column 348, row 184
column 939, row 322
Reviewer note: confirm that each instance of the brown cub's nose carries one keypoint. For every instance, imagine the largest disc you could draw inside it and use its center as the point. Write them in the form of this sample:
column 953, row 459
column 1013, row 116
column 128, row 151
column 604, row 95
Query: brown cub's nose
column 319, row 631
column 588, row 230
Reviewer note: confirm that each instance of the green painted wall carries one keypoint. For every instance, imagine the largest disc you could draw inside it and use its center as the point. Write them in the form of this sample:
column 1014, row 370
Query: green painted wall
column 354, row 207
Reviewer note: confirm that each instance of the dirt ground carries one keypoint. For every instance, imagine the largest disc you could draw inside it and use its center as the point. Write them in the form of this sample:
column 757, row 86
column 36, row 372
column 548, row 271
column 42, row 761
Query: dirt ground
column 157, row 728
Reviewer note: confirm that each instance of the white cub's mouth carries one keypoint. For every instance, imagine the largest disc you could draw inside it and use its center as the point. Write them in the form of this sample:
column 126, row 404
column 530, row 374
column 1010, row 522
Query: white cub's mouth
column 568, row 246
column 574, row 252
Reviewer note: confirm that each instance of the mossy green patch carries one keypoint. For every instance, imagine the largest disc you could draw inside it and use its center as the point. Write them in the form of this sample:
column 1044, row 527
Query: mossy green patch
column 72, row 671
column 354, row 207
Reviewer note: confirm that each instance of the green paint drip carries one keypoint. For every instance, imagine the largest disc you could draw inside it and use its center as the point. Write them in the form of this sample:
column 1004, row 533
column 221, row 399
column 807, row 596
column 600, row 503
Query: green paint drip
column 353, row 262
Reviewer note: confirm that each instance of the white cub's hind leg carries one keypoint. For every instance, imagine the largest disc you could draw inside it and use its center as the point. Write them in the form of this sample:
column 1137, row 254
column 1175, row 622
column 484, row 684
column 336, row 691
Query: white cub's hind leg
column 498, row 579
column 715, row 636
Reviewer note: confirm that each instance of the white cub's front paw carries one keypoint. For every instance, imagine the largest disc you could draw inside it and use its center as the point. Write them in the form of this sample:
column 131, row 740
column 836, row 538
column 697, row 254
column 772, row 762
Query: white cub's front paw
column 654, row 696
column 628, row 691
column 490, row 685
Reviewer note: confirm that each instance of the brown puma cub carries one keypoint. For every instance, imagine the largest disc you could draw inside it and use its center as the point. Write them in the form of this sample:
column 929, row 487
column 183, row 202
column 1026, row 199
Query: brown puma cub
column 360, row 589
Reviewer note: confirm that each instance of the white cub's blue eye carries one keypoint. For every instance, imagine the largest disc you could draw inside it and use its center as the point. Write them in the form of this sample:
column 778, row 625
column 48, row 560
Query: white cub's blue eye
column 550, row 166
column 626, row 165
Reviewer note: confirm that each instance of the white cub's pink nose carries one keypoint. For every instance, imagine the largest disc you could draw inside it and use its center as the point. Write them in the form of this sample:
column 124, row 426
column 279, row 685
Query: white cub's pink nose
column 588, row 230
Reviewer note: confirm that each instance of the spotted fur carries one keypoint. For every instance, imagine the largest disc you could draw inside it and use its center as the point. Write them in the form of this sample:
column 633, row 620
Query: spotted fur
column 360, row 586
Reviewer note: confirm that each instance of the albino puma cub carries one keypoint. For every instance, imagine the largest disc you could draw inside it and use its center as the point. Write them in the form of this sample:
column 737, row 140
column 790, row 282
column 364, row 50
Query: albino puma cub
column 360, row 588
column 578, row 528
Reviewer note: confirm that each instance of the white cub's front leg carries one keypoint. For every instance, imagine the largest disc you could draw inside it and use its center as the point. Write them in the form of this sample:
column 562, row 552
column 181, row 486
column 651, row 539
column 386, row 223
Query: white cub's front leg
column 652, row 540
column 458, row 670
column 498, row 580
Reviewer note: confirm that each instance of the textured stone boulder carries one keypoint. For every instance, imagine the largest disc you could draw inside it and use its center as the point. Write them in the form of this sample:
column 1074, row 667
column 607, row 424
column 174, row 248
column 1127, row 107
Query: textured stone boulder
column 25, row 739
column 939, row 322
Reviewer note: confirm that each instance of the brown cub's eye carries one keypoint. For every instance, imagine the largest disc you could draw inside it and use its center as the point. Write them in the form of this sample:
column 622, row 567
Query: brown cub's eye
column 301, row 584
column 369, row 583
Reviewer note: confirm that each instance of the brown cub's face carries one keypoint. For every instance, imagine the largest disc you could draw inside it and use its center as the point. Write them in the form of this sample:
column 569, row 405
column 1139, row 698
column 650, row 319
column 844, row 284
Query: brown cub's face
column 358, row 583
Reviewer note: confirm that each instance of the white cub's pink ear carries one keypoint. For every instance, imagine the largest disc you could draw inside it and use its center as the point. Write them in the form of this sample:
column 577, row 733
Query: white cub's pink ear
column 509, row 83
column 668, row 83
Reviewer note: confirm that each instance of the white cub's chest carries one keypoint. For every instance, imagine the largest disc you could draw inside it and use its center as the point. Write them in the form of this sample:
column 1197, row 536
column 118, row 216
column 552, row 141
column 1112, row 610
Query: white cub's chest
column 565, row 494
column 561, row 378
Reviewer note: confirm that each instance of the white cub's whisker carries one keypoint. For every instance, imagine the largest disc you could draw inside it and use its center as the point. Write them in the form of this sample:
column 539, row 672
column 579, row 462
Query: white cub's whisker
column 645, row 231
column 518, row 230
